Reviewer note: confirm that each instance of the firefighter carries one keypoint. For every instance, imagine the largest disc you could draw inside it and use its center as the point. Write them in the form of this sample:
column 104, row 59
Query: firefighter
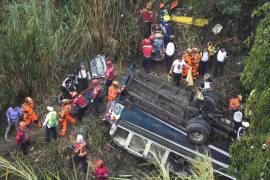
column 65, row 116
column 114, row 91
column 23, row 137
column 187, row 57
column 28, row 113
column 147, row 19
column 101, row 172
column 235, row 103
column 109, row 74
column 96, row 95
column 147, row 52
column 80, row 103
column 196, row 58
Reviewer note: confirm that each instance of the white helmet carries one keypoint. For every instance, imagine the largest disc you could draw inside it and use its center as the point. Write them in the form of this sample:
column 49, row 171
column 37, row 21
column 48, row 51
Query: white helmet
column 50, row 108
column 238, row 116
column 80, row 139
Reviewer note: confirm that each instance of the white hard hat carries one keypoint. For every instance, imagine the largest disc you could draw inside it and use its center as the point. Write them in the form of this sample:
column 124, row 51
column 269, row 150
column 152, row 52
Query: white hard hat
column 50, row 108
column 245, row 124
column 238, row 116
column 80, row 139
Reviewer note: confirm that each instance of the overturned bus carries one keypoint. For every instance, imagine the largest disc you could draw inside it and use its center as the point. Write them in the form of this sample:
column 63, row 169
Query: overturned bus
column 156, row 116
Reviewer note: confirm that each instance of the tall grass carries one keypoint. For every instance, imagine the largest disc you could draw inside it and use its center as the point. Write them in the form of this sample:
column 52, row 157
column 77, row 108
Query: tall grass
column 41, row 43
column 200, row 169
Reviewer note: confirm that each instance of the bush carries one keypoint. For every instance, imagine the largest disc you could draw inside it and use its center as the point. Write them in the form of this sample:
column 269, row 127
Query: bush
column 41, row 42
column 249, row 159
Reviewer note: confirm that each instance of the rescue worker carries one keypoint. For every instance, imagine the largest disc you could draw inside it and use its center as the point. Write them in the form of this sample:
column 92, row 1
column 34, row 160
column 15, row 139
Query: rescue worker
column 242, row 130
column 177, row 69
column 65, row 116
column 147, row 52
column 114, row 91
column 28, row 113
column 80, row 154
column 109, row 74
column 101, row 172
column 80, row 104
column 82, row 78
column 187, row 57
column 50, row 124
column 235, row 103
column 207, row 82
column 23, row 137
column 221, row 56
column 147, row 20
column 196, row 58
column 203, row 62
column 212, row 51
column 169, row 54
column 13, row 115
column 67, row 86
column 96, row 95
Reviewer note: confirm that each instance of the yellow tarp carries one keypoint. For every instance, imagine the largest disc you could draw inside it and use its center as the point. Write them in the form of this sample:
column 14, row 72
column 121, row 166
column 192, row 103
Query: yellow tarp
column 190, row 20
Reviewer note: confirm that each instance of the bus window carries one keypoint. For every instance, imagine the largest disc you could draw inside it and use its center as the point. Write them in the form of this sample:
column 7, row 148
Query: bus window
column 177, row 163
column 156, row 152
column 137, row 144
column 120, row 136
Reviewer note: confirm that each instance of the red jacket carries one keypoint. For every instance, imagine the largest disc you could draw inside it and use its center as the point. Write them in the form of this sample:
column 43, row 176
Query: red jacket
column 147, row 50
column 147, row 16
column 96, row 91
column 22, row 136
column 101, row 173
column 80, row 101
column 109, row 74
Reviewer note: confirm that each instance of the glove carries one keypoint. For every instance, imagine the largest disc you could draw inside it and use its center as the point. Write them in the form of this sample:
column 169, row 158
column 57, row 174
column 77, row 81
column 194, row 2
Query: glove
column 44, row 124
column 92, row 101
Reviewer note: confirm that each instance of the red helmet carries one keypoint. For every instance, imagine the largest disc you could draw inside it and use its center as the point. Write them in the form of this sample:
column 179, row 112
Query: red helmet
column 109, row 62
column 95, row 82
column 99, row 163
column 146, row 41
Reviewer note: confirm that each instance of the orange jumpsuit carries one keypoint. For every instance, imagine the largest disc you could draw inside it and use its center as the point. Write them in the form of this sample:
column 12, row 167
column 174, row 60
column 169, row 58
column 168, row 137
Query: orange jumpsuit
column 188, row 59
column 65, row 118
column 195, row 65
column 113, row 93
column 234, row 104
column 28, row 114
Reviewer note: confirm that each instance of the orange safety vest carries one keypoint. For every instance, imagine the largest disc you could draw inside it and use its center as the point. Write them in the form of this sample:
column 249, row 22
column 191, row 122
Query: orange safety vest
column 28, row 113
column 195, row 65
column 113, row 93
column 188, row 59
column 234, row 104
column 65, row 112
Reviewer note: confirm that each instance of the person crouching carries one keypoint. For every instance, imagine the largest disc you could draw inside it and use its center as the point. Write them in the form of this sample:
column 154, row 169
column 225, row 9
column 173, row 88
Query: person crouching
column 23, row 137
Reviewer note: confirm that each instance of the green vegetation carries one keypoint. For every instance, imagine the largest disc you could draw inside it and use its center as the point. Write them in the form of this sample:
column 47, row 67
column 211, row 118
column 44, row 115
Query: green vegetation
column 249, row 158
column 41, row 42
